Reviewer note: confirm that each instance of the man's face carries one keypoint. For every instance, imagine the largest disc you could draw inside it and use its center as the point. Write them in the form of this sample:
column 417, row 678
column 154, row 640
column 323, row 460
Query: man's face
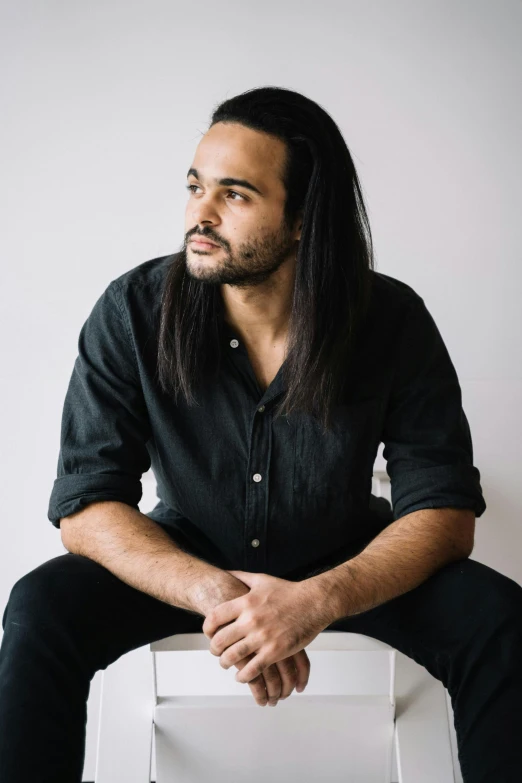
column 246, row 225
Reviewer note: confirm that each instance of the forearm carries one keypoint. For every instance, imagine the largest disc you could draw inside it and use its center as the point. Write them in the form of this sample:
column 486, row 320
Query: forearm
column 396, row 561
column 140, row 553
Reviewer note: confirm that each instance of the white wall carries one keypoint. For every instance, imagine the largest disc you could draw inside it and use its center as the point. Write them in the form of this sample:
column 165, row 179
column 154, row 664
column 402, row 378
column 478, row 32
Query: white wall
column 103, row 105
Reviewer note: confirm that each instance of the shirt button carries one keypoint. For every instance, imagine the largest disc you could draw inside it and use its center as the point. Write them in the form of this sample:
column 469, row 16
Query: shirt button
column 261, row 409
column 255, row 542
column 234, row 343
column 257, row 477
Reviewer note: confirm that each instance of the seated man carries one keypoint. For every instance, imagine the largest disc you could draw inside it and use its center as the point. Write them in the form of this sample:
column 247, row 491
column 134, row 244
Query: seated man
column 256, row 371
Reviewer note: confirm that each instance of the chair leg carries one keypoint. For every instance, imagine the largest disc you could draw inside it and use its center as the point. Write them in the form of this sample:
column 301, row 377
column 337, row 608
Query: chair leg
column 422, row 733
column 125, row 729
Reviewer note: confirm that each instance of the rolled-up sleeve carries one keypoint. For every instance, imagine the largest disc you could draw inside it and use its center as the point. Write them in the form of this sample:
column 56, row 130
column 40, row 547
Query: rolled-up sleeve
column 426, row 435
column 105, row 426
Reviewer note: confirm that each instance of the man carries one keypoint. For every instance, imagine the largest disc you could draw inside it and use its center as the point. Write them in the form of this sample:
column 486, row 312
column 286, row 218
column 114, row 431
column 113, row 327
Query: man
column 264, row 534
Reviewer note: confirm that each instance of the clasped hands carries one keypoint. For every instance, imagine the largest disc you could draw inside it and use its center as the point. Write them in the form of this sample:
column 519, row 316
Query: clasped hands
column 274, row 621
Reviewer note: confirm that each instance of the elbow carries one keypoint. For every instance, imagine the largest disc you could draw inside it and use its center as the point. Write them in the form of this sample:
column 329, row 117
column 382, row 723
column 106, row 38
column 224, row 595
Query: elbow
column 69, row 527
column 463, row 551
column 65, row 534
column 76, row 528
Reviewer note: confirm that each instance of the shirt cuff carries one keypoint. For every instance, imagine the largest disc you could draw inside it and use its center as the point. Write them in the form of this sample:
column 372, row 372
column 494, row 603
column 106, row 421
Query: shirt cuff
column 437, row 487
column 74, row 492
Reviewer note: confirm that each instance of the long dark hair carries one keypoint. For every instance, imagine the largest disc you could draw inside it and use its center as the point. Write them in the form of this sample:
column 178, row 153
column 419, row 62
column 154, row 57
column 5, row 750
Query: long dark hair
column 333, row 265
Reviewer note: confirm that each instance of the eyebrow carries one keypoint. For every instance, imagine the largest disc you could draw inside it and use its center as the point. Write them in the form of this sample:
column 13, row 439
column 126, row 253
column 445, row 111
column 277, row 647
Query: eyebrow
column 228, row 181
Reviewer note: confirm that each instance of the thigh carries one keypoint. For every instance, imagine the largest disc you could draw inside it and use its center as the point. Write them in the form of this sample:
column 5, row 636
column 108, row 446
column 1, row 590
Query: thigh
column 78, row 603
column 462, row 603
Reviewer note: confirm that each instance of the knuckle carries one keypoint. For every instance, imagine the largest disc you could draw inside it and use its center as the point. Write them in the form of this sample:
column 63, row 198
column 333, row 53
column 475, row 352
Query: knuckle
column 274, row 686
column 248, row 617
column 261, row 669
column 288, row 667
column 276, row 648
column 258, row 668
column 271, row 674
column 258, row 683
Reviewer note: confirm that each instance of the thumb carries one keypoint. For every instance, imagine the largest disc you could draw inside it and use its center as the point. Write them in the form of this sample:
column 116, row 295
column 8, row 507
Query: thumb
column 245, row 576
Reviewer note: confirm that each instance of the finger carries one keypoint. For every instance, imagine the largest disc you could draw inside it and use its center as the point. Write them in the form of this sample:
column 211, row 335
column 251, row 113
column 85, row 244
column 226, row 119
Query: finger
column 273, row 683
column 288, row 674
column 222, row 615
column 217, row 644
column 253, row 669
column 233, row 651
column 302, row 665
column 257, row 686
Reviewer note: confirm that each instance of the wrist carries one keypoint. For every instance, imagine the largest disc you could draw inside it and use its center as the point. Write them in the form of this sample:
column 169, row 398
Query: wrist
column 215, row 589
column 326, row 594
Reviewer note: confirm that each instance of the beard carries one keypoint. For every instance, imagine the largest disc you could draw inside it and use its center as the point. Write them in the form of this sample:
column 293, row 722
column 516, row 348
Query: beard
column 251, row 264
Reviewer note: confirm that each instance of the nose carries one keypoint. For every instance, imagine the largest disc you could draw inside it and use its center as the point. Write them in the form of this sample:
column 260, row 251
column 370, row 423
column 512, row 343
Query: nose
column 203, row 210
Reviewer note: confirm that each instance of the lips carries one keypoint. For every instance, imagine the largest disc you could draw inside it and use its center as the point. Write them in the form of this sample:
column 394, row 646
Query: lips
column 204, row 241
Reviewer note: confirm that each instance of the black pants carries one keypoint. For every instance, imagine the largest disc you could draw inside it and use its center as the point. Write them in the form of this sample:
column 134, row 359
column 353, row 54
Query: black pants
column 70, row 617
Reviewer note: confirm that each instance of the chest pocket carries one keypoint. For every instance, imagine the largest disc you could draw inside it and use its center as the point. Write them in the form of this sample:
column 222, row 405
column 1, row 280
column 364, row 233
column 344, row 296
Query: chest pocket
column 332, row 469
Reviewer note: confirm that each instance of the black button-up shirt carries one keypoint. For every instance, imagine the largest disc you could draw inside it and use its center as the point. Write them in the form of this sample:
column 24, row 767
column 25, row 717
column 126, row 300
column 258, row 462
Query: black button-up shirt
column 237, row 487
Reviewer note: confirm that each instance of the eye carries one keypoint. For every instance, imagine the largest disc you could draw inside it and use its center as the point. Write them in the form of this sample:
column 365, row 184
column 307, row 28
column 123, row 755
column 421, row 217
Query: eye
column 189, row 187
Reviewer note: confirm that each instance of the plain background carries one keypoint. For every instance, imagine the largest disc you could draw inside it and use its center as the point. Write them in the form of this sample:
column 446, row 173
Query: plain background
column 103, row 104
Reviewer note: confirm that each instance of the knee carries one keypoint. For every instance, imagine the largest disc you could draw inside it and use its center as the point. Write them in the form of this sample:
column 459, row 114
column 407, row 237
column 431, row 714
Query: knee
column 29, row 596
column 505, row 595
column 44, row 594
column 54, row 608
column 498, row 596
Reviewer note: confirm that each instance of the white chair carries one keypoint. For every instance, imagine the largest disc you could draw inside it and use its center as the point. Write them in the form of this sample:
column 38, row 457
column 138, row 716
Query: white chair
column 384, row 729
column 305, row 738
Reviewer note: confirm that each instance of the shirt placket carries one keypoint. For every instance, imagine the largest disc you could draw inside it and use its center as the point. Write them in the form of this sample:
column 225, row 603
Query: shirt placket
column 255, row 549
column 257, row 492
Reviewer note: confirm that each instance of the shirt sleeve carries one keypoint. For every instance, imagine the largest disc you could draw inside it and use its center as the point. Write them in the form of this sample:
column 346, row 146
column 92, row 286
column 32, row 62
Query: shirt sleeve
column 426, row 435
column 105, row 426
